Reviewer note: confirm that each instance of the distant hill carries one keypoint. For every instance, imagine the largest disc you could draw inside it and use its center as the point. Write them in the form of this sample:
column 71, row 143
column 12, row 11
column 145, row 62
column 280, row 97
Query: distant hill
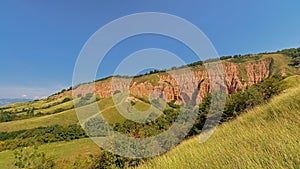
column 11, row 101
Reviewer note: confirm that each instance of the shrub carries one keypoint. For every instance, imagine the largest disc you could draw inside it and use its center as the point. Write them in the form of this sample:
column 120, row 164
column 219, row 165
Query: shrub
column 225, row 57
column 173, row 105
column 32, row 159
column 66, row 100
column 116, row 92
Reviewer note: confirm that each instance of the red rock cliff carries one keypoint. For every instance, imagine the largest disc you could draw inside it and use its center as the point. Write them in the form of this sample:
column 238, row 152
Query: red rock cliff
column 238, row 77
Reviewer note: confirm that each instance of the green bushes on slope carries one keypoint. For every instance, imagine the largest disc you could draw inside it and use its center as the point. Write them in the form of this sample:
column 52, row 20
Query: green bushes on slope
column 41, row 135
column 33, row 159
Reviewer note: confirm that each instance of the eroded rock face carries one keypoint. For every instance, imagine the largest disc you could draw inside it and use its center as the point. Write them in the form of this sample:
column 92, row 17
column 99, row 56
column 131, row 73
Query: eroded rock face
column 166, row 86
column 258, row 71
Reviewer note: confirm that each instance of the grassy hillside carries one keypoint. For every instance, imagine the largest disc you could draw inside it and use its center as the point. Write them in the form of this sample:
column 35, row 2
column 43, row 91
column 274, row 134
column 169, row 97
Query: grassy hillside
column 69, row 151
column 68, row 117
column 281, row 63
column 64, row 118
column 52, row 109
column 266, row 137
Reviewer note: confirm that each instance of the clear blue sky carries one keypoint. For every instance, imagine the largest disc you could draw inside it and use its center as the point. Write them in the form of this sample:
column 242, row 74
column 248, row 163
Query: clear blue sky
column 40, row 40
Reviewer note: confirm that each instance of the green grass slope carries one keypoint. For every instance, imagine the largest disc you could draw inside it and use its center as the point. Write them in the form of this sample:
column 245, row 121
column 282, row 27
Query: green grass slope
column 69, row 151
column 68, row 117
column 64, row 118
column 281, row 63
column 266, row 137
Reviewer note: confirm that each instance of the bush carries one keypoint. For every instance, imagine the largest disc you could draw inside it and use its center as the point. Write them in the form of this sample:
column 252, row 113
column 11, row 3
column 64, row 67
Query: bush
column 116, row 92
column 145, row 100
column 66, row 100
column 96, row 127
column 101, row 160
column 225, row 57
column 32, row 159
column 195, row 64
column 173, row 105
column 7, row 116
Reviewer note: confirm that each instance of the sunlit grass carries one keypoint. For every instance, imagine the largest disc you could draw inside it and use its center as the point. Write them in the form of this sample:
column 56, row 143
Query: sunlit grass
column 64, row 118
column 69, row 151
column 266, row 137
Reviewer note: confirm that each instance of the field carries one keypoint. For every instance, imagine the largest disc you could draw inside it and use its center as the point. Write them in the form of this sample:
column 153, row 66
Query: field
column 69, row 117
column 61, row 150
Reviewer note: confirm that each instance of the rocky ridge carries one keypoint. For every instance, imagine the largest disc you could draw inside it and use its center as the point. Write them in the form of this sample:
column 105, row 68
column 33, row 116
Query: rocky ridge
column 166, row 86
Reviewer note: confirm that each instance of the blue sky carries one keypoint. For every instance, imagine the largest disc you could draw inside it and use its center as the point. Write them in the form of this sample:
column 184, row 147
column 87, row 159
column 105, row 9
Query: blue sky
column 40, row 40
